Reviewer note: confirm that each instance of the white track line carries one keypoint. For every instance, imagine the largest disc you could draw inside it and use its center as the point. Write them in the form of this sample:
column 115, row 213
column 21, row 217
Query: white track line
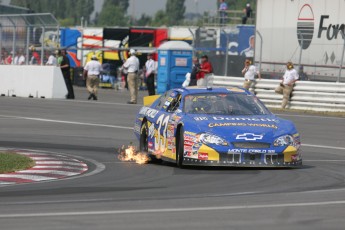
column 170, row 210
column 69, row 122
column 27, row 177
column 55, row 172
column 324, row 146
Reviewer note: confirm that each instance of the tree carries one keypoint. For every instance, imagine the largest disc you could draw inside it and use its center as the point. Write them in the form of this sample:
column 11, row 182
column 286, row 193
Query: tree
column 175, row 10
column 113, row 13
column 64, row 10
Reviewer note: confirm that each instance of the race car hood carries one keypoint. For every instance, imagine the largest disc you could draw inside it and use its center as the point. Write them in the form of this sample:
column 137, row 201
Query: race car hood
column 243, row 128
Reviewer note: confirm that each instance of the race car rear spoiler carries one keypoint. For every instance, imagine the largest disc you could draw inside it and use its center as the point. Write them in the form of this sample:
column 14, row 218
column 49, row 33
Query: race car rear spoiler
column 148, row 100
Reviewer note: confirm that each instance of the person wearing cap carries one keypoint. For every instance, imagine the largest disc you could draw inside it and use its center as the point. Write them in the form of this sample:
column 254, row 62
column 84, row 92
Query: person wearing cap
column 150, row 75
column 287, row 83
column 132, row 67
column 249, row 71
column 205, row 70
column 92, row 70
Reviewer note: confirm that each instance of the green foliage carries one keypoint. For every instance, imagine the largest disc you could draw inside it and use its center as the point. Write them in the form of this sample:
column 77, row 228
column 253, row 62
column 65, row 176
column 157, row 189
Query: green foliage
column 113, row 13
column 65, row 10
column 175, row 10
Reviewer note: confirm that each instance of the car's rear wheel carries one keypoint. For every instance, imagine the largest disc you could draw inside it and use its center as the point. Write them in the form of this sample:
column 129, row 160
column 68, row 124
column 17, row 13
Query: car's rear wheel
column 180, row 148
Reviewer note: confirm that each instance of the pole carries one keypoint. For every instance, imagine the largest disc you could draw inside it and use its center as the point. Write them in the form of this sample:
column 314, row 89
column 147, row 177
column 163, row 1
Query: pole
column 300, row 52
column 14, row 35
column 261, row 45
column 193, row 35
column 342, row 56
column 28, row 30
column 1, row 42
column 43, row 42
column 226, row 54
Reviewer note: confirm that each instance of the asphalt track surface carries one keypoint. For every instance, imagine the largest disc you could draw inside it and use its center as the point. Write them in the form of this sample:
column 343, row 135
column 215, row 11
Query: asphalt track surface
column 120, row 195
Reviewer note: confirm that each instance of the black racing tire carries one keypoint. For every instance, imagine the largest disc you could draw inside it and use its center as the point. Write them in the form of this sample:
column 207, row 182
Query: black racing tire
column 143, row 143
column 180, row 148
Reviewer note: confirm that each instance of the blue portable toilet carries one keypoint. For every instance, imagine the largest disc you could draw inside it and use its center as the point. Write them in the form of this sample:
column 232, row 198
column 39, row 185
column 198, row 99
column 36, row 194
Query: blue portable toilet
column 174, row 62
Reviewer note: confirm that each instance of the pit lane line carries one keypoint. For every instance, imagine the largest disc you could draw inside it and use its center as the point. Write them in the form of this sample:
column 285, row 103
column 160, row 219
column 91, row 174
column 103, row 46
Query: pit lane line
column 128, row 128
column 172, row 210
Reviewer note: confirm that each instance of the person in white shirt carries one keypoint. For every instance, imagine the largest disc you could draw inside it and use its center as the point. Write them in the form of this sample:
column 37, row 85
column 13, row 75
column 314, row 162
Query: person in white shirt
column 92, row 70
column 287, row 83
column 132, row 66
column 150, row 74
column 249, row 71
column 20, row 58
column 51, row 59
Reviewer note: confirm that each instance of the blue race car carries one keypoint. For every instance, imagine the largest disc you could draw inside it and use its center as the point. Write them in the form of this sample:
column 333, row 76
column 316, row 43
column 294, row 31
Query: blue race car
column 216, row 127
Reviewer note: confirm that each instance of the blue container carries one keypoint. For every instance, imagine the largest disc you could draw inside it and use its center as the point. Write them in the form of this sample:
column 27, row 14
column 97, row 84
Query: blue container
column 174, row 62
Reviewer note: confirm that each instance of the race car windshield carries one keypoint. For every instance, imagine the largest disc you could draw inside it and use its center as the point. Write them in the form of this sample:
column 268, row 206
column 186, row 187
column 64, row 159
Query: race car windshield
column 224, row 104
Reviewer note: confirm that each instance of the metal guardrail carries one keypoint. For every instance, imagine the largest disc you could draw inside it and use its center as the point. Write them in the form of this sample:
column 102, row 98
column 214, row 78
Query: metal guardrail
column 316, row 96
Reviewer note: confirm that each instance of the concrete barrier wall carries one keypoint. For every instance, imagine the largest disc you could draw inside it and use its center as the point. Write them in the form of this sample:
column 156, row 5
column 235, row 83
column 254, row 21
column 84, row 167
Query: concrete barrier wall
column 32, row 81
column 307, row 95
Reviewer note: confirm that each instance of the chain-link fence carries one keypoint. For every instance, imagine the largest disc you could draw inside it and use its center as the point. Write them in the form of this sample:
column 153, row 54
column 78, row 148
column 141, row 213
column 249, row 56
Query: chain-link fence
column 27, row 38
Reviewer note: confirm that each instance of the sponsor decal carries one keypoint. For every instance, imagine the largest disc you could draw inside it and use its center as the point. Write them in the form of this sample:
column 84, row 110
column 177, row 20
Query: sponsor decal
column 150, row 145
column 249, row 137
column 190, row 133
column 236, row 90
column 212, row 125
column 200, row 118
column 294, row 157
column 203, row 156
column 220, row 118
column 250, row 151
column 189, row 143
column 146, row 111
column 151, row 130
column 305, row 26
column 196, row 146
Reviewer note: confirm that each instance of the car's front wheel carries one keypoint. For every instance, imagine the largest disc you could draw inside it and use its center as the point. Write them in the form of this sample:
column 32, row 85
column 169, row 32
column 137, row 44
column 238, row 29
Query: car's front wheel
column 180, row 148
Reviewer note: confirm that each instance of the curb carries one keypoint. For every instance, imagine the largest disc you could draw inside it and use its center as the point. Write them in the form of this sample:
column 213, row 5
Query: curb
column 47, row 168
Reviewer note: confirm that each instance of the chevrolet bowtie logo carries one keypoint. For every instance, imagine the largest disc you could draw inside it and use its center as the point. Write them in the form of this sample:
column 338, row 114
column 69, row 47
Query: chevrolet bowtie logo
column 249, row 137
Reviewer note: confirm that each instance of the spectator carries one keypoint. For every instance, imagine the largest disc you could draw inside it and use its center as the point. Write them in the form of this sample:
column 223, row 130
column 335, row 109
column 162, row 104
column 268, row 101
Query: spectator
column 223, row 7
column 15, row 58
column 19, row 59
column 287, row 84
column 132, row 67
column 249, row 71
column 92, row 70
column 65, row 69
column 205, row 70
column 247, row 13
column 35, row 57
column 195, row 72
column 150, row 75
column 7, row 59
column 51, row 59
column 59, row 57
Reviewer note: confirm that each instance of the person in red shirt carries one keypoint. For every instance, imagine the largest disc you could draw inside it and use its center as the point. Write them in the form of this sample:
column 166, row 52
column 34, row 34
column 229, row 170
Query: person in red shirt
column 205, row 70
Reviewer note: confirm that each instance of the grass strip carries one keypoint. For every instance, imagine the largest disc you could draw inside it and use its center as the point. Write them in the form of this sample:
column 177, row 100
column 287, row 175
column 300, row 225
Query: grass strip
column 11, row 162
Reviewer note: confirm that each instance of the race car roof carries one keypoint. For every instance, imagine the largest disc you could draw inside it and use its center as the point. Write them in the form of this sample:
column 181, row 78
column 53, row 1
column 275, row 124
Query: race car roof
column 196, row 90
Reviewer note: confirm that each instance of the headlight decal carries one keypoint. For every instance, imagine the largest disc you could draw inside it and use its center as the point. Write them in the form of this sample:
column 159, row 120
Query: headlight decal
column 208, row 138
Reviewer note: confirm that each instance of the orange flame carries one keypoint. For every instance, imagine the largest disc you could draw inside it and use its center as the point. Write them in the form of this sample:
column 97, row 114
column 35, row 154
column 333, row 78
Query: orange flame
column 131, row 154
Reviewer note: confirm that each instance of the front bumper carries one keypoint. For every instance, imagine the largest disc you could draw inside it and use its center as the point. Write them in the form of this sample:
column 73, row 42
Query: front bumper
column 290, row 157
column 249, row 163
